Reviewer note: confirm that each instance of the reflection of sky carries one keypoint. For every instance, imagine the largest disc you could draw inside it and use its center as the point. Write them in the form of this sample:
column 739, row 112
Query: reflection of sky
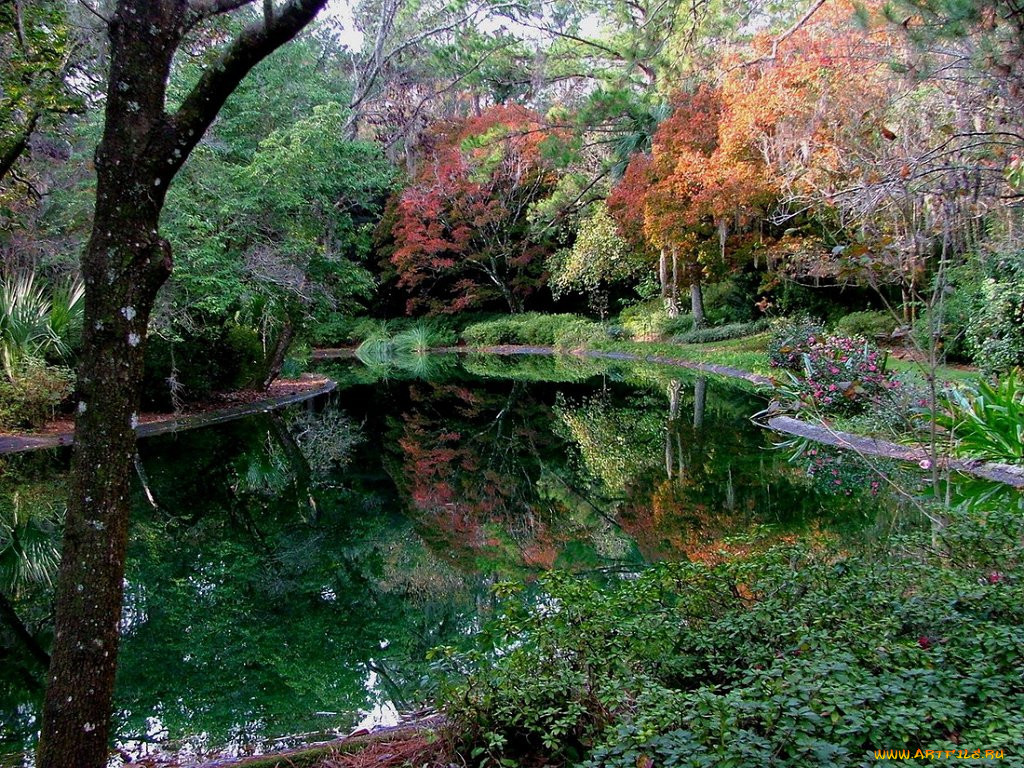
column 383, row 711
column 248, row 738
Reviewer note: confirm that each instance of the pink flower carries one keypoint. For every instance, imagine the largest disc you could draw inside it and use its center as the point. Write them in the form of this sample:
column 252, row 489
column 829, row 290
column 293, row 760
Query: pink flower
column 925, row 463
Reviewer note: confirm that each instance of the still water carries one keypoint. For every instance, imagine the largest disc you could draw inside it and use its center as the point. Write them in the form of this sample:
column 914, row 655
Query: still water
column 287, row 573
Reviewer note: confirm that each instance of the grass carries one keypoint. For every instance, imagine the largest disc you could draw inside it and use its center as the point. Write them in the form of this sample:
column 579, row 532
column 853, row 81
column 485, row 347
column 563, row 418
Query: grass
column 751, row 354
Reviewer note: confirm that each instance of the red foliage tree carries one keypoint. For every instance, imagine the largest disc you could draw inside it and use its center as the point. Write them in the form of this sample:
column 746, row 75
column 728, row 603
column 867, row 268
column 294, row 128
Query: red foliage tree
column 462, row 235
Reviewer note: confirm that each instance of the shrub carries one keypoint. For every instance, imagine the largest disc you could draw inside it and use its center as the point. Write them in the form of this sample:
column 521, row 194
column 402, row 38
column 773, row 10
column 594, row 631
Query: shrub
column 191, row 366
column 960, row 306
column 987, row 420
column 36, row 325
column 722, row 332
column 34, row 394
column 798, row 656
column 870, row 325
column 995, row 334
column 791, row 339
column 733, row 300
column 534, row 329
column 650, row 320
column 840, row 376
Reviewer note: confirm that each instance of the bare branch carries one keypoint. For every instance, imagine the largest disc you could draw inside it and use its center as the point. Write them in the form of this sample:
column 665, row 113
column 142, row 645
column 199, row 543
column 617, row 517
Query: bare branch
column 784, row 36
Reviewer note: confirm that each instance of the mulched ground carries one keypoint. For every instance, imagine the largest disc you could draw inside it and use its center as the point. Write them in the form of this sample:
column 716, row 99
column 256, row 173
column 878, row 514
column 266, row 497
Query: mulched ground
column 220, row 407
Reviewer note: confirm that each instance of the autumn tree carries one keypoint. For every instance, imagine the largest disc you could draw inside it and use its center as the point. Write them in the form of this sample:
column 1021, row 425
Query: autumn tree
column 700, row 183
column 462, row 233
column 145, row 142
column 900, row 170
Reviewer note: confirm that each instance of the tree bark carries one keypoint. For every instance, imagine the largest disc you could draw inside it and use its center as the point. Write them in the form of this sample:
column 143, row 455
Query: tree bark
column 673, row 302
column 280, row 350
column 697, row 304
column 124, row 265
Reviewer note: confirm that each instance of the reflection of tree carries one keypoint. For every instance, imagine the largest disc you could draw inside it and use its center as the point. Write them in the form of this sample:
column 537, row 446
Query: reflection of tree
column 255, row 615
column 683, row 480
column 487, row 478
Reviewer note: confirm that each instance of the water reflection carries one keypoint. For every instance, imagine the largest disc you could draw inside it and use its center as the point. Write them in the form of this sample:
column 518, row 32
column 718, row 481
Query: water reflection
column 288, row 572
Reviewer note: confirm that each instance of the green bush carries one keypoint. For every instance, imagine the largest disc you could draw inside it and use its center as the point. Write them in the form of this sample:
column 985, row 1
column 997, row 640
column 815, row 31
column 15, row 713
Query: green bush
column 649, row 320
column 870, row 325
column 794, row 657
column 733, row 300
column 191, row 366
column 34, row 394
column 534, row 329
column 722, row 332
column 961, row 305
column 995, row 333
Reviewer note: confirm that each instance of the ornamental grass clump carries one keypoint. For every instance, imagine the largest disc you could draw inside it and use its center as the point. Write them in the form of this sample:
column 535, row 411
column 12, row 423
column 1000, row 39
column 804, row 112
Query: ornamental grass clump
column 986, row 420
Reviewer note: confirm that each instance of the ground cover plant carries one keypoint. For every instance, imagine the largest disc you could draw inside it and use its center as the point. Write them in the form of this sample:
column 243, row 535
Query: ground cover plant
column 802, row 654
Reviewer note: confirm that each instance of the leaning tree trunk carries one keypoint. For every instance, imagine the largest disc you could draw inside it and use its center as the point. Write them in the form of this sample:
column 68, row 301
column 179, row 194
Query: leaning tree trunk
column 276, row 362
column 124, row 265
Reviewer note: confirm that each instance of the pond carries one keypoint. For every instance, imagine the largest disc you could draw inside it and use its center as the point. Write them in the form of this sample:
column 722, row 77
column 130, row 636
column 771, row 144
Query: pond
column 287, row 573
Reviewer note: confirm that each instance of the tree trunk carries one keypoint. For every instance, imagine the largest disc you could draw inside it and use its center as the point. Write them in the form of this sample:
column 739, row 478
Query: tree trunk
column 90, row 582
column 697, row 304
column 673, row 303
column 124, row 265
column 663, row 274
column 280, row 350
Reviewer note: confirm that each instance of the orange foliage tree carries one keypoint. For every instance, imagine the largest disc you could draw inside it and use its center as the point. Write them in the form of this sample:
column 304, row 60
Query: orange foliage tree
column 702, row 182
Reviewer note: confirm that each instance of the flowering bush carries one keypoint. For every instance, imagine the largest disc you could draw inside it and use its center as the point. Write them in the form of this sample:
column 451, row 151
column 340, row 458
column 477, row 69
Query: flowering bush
column 841, row 375
column 791, row 340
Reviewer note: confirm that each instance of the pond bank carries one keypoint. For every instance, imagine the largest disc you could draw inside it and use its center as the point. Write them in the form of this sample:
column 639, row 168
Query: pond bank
column 281, row 393
column 388, row 746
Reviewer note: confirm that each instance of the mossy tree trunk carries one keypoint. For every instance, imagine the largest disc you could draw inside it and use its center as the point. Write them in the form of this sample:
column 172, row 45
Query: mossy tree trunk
column 124, row 265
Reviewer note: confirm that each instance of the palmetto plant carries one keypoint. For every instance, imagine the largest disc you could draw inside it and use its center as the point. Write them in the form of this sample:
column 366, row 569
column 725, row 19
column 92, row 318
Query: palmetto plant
column 29, row 533
column 34, row 325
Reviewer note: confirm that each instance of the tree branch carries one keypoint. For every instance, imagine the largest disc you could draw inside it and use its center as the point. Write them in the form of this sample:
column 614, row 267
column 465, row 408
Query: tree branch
column 253, row 44
column 784, row 36
column 10, row 155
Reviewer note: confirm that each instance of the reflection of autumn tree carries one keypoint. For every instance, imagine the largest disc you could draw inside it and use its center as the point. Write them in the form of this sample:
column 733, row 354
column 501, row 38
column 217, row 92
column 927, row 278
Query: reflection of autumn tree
column 679, row 469
column 470, row 461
